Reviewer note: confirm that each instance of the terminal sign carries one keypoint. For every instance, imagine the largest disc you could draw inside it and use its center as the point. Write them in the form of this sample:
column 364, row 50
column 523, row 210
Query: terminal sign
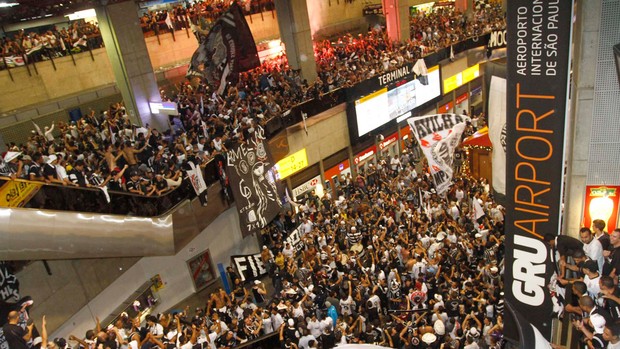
column 292, row 163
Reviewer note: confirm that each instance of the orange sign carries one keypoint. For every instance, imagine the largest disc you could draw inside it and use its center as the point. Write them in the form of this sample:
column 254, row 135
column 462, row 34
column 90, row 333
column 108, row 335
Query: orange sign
column 388, row 140
column 366, row 154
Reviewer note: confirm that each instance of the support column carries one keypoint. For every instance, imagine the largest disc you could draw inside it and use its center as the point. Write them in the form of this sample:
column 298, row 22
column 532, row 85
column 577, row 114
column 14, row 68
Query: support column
column 586, row 42
column 403, row 16
column 296, row 35
column 392, row 18
column 120, row 28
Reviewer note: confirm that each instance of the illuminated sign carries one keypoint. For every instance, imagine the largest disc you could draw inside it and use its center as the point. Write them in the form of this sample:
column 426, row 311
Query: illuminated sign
column 601, row 203
column 365, row 154
column 462, row 98
column 292, row 163
column 461, row 78
column 167, row 108
column 389, row 140
column 307, row 186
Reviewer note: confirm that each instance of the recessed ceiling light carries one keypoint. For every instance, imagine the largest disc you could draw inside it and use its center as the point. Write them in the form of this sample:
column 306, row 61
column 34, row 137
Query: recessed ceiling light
column 8, row 4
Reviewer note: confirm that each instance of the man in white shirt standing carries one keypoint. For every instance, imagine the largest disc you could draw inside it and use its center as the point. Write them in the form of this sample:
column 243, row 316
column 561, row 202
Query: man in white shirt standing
column 592, row 247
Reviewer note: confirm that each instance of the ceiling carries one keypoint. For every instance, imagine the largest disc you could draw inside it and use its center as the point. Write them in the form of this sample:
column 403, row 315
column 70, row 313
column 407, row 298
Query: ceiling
column 36, row 9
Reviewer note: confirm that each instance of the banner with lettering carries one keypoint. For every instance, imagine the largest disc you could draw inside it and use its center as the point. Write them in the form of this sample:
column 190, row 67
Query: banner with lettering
column 17, row 193
column 497, row 131
column 294, row 238
column 439, row 135
column 253, row 182
column 9, row 285
column 539, row 38
column 249, row 267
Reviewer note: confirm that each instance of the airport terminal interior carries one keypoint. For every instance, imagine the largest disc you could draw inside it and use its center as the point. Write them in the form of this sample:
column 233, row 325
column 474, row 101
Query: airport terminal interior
column 205, row 174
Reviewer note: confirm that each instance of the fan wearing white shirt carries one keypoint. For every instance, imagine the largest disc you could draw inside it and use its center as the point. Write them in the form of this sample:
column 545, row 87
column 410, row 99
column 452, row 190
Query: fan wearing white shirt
column 592, row 247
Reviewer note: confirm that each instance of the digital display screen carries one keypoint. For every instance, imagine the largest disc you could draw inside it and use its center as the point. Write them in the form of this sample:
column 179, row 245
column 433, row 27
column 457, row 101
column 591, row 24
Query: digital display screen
column 380, row 107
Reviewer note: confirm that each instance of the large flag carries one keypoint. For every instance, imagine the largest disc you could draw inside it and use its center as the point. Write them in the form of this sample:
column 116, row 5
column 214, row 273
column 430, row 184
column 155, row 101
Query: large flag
column 9, row 285
column 194, row 173
column 497, row 131
column 226, row 51
column 537, row 95
column 253, row 182
column 439, row 135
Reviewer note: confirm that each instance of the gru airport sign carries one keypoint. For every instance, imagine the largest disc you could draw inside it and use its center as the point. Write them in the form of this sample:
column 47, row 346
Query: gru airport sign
column 538, row 43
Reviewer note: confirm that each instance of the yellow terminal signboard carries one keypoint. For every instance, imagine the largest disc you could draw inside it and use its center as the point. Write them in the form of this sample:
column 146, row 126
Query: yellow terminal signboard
column 461, row 78
column 292, row 163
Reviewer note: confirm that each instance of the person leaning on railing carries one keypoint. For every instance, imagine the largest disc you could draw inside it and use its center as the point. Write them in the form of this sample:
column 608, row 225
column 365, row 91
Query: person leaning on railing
column 11, row 165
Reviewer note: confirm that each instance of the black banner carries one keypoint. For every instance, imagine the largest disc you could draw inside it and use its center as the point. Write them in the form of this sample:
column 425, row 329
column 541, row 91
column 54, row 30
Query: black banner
column 253, row 183
column 250, row 267
column 9, row 285
column 226, row 51
column 497, row 39
column 294, row 238
column 539, row 37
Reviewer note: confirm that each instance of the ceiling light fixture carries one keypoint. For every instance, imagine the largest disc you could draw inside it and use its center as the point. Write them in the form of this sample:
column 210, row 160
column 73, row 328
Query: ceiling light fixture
column 8, row 4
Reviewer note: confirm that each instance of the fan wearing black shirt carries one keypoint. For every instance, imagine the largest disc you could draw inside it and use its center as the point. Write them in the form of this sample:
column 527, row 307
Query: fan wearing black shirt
column 15, row 335
column 611, row 296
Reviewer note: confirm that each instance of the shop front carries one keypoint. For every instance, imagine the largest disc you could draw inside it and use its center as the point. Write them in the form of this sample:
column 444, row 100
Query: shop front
column 461, row 103
column 334, row 174
column 389, row 145
column 306, row 181
column 365, row 157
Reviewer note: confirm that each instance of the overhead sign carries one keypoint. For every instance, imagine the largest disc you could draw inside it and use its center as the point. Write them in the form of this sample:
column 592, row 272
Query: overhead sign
column 389, row 140
column 538, row 63
column 375, row 9
column 461, row 78
column 307, row 186
column 497, row 39
column 462, row 98
column 361, row 157
column 292, row 163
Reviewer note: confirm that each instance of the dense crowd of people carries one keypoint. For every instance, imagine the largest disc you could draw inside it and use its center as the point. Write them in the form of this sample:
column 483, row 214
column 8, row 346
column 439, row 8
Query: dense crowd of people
column 182, row 16
column 384, row 260
column 106, row 149
column 55, row 42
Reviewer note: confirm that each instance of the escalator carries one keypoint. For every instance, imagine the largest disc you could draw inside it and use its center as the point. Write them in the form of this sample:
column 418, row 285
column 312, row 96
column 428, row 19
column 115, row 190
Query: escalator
column 42, row 221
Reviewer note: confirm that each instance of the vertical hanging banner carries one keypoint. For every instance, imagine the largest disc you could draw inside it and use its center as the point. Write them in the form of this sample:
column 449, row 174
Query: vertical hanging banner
column 439, row 135
column 497, row 131
column 253, row 183
column 227, row 50
column 539, row 37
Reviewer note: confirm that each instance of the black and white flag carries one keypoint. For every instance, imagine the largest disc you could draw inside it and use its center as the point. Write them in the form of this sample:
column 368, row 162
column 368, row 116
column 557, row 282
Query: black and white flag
column 227, row 50
column 9, row 285
column 253, row 183
column 250, row 267
column 439, row 135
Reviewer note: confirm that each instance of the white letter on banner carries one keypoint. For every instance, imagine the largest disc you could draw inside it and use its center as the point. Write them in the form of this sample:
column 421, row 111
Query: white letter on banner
column 528, row 270
column 241, row 268
column 258, row 261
